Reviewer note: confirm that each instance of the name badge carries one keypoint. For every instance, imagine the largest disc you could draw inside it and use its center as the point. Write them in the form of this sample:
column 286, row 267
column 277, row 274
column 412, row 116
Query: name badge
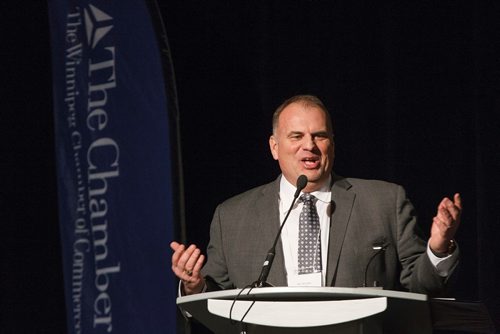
column 313, row 279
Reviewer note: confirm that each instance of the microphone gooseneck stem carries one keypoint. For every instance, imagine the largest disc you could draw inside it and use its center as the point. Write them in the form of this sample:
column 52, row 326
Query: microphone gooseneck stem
column 266, row 267
column 380, row 250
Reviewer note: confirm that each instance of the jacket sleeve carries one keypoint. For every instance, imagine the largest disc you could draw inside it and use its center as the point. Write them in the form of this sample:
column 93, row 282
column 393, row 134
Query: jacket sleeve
column 418, row 273
column 215, row 270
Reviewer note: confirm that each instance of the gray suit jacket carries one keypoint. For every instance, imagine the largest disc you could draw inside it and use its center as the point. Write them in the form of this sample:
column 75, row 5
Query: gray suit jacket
column 363, row 213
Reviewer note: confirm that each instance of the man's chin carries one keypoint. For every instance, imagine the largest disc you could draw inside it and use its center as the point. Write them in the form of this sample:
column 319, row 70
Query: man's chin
column 315, row 181
column 313, row 175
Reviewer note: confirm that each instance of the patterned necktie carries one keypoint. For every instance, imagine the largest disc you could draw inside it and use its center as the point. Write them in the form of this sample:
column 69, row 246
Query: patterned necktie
column 309, row 255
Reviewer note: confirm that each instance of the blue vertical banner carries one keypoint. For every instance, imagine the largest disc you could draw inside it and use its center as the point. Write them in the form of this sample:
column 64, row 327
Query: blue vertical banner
column 114, row 162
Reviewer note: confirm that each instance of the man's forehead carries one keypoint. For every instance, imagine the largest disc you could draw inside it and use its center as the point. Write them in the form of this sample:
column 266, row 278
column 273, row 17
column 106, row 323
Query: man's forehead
column 301, row 117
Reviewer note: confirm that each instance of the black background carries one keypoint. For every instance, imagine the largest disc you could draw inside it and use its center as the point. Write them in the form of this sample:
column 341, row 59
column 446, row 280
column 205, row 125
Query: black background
column 413, row 88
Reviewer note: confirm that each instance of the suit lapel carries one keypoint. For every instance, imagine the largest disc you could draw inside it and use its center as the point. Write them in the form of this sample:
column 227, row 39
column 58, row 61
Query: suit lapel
column 342, row 203
column 269, row 223
column 268, row 218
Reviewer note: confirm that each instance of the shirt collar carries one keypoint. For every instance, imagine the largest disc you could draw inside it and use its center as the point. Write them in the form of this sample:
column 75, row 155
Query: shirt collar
column 287, row 190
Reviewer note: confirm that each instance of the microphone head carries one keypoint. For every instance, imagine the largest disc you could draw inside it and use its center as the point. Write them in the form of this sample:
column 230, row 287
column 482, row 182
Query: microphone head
column 301, row 182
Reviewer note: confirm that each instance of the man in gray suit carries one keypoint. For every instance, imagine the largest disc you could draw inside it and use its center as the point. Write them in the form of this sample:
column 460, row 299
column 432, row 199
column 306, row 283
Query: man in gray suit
column 355, row 218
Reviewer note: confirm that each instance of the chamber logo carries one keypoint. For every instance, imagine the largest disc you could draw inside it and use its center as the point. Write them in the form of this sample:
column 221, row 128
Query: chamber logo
column 97, row 24
column 90, row 84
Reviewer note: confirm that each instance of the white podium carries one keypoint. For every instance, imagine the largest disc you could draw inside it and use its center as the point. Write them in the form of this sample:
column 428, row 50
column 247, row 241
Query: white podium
column 311, row 310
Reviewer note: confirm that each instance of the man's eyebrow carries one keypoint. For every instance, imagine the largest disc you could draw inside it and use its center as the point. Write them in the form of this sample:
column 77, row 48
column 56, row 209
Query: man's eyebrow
column 295, row 133
column 321, row 133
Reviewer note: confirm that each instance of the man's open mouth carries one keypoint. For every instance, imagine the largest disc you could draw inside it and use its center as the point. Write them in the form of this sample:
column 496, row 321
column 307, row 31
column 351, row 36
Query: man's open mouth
column 311, row 162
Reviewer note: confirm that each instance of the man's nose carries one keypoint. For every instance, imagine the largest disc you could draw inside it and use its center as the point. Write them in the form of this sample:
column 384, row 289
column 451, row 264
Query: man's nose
column 309, row 143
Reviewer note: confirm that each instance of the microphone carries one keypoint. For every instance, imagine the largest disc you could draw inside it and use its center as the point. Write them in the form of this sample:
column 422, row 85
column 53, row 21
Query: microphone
column 301, row 184
column 379, row 247
column 266, row 267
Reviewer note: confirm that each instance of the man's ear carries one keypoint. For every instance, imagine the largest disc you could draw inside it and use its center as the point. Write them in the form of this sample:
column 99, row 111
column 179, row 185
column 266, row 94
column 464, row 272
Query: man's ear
column 273, row 145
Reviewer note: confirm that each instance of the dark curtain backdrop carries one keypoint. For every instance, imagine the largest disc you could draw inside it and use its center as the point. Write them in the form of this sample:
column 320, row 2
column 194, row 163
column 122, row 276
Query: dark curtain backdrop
column 413, row 88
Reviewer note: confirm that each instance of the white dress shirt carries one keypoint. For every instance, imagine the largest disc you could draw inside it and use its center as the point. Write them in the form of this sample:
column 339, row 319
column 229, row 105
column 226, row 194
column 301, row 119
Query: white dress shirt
column 290, row 233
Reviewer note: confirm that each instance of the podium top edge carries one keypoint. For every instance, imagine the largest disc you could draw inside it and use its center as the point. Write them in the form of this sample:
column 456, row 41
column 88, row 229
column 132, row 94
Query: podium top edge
column 326, row 293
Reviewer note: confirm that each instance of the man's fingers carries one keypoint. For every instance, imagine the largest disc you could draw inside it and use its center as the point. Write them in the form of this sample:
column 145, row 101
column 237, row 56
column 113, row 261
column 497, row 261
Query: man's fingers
column 444, row 215
column 174, row 245
column 198, row 265
column 192, row 276
column 450, row 210
column 453, row 208
column 183, row 260
column 443, row 202
column 184, row 256
column 186, row 265
column 191, row 262
column 454, row 211
column 441, row 224
column 446, row 222
column 457, row 199
column 177, row 254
